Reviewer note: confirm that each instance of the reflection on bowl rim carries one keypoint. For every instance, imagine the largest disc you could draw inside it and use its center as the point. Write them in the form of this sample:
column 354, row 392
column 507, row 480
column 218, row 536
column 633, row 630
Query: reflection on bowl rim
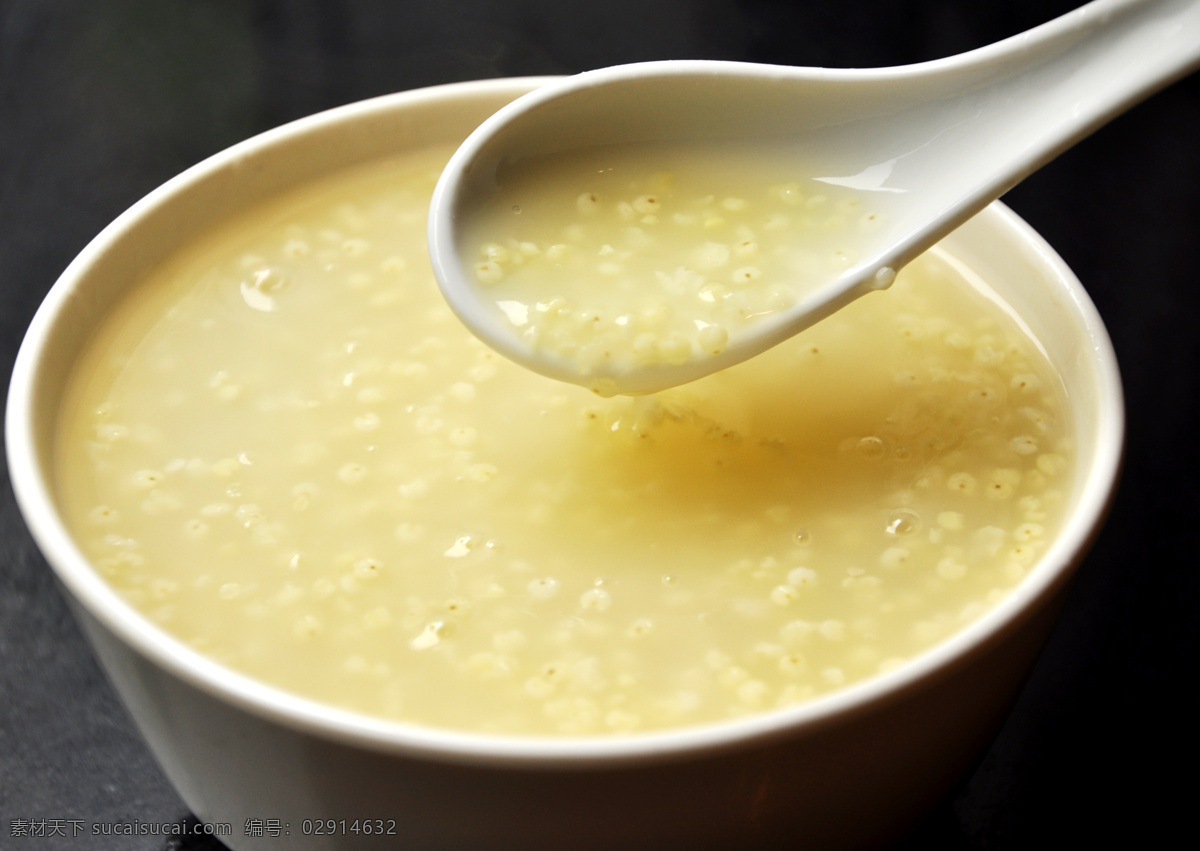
column 30, row 474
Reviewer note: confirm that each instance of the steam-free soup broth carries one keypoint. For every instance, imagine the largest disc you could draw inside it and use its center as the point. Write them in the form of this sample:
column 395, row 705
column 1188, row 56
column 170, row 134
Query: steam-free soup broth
column 287, row 452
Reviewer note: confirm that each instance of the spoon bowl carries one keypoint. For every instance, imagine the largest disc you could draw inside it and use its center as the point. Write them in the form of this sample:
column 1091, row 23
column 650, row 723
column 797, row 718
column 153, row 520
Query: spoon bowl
column 928, row 145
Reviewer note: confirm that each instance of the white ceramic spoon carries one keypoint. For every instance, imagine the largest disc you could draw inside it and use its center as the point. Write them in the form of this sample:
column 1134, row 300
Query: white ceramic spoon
column 937, row 141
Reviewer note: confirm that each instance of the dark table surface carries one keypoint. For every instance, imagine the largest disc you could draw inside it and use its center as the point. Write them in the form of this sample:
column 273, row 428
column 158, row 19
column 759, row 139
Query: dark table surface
column 102, row 100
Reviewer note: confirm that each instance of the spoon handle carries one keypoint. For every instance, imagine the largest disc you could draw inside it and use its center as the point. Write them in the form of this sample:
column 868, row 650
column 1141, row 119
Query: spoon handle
column 1110, row 54
column 1016, row 104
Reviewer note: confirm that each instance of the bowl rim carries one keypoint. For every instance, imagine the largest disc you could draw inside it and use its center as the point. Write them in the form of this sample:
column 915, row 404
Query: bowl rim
column 31, row 485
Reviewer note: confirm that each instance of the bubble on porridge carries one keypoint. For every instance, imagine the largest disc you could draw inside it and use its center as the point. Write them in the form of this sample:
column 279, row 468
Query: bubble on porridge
column 870, row 447
column 902, row 521
column 595, row 599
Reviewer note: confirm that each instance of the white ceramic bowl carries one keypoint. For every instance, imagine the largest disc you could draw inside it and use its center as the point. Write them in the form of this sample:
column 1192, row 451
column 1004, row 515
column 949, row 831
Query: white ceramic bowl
column 850, row 769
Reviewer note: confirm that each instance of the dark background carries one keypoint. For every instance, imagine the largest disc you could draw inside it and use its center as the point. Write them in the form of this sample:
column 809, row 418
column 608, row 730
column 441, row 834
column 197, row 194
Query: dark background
column 102, row 100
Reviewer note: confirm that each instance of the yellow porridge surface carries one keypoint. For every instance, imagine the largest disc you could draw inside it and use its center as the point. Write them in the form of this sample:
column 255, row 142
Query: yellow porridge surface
column 287, row 452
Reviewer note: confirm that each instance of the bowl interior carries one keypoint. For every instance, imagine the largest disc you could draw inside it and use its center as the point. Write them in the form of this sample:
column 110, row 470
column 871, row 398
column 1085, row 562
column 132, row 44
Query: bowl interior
column 996, row 244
